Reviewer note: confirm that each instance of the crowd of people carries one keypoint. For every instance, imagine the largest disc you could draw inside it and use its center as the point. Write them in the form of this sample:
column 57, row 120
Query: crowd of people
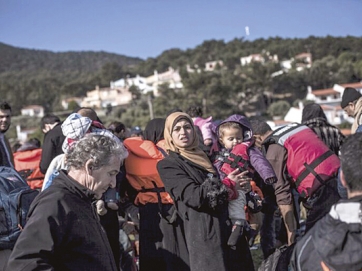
column 189, row 193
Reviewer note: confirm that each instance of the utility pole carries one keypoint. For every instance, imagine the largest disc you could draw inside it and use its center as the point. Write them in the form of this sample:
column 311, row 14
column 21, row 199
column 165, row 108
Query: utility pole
column 204, row 106
column 150, row 106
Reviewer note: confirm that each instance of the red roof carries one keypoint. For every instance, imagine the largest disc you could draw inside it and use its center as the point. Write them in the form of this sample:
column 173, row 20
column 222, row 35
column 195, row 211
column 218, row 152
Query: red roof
column 331, row 91
column 33, row 107
column 352, row 85
column 346, row 132
column 301, row 55
column 330, row 107
column 327, row 91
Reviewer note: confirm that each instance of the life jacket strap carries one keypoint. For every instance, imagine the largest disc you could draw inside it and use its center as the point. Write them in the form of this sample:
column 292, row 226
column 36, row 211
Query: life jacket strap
column 235, row 163
column 309, row 168
column 155, row 189
column 164, row 153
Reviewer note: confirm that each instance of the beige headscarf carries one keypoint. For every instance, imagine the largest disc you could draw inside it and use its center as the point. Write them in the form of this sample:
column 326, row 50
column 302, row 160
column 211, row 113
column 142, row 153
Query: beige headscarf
column 192, row 152
column 357, row 116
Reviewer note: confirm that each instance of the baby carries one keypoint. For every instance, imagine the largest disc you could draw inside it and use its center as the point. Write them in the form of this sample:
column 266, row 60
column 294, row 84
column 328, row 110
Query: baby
column 236, row 151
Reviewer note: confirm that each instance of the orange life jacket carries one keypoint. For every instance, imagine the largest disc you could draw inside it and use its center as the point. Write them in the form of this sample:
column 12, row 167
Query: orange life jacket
column 27, row 164
column 141, row 170
column 257, row 190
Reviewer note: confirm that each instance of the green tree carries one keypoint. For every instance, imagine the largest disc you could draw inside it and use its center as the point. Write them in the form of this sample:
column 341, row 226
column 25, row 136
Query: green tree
column 322, row 73
column 73, row 105
column 279, row 109
column 110, row 72
column 136, row 92
column 167, row 100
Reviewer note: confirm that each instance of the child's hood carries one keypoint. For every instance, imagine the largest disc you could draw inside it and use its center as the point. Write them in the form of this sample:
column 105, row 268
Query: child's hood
column 243, row 121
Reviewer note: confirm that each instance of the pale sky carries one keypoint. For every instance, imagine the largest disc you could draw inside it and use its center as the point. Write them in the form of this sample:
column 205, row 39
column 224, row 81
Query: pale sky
column 146, row 28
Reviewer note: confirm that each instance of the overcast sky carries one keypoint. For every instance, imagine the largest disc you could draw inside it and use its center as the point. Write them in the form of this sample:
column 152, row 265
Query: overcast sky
column 146, row 28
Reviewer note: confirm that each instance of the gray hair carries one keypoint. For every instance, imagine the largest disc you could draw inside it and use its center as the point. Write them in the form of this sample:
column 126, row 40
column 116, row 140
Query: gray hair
column 351, row 158
column 100, row 148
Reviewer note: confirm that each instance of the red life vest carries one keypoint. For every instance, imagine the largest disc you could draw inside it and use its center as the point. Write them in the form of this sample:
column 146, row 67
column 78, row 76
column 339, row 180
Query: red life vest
column 237, row 158
column 310, row 162
column 27, row 164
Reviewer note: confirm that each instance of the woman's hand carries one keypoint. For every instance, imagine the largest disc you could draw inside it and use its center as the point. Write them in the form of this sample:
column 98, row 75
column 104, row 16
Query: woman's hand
column 241, row 180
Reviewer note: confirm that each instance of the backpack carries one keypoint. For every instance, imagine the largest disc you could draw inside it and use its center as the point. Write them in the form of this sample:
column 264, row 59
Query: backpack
column 279, row 260
column 15, row 199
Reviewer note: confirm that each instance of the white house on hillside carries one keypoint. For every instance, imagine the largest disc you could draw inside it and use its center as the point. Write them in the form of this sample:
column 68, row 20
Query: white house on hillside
column 33, row 111
column 23, row 134
column 194, row 69
column 331, row 96
column 118, row 93
column 261, row 58
column 210, row 66
column 151, row 83
column 137, row 81
column 102, row 97
column 329, row 99
column 65, row 102
column 286, row 64
column 294, row 114
column 303, row 60
column 171, row 77
column 246, row 60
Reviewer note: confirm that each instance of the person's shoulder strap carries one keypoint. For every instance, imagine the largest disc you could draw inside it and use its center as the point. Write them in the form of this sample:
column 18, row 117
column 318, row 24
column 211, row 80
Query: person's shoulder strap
column 164, row 153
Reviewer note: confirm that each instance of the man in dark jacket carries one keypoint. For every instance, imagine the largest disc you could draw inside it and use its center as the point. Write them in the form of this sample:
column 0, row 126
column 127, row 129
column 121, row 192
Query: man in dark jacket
column 352, row 104
column 335, row 242
column 313, row 116
column 6, row 155
column 63, row 231
column 53, row 140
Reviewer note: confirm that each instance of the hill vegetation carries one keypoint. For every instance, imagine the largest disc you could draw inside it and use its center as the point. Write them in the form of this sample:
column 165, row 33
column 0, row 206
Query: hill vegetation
column 44, row 78
column 252, row 88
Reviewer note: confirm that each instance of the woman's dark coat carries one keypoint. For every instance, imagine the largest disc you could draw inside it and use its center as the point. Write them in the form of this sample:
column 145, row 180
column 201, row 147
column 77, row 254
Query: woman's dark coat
column 200, row 231
column 202, row 226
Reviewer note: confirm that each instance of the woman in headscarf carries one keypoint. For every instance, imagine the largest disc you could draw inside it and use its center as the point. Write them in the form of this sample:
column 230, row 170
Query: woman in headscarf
column 313, row 116
column 202, row 225
column 151, row 198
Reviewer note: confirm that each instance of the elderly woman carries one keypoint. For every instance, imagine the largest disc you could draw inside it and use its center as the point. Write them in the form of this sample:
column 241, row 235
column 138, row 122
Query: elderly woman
column 63, row 231
column 202, row 225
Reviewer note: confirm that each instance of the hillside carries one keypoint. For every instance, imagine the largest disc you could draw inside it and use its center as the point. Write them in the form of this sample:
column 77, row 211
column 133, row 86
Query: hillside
column 44, row 77
column 39, row 77
column 231, row 52
column 17, row 59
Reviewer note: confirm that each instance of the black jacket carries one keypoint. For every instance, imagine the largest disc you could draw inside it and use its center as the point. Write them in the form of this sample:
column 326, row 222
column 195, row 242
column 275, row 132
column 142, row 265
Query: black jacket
column 63, row 232
column 336, row 240
column 201, row 232
column 329, row 134
column 202, row 227
column 52, row 147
